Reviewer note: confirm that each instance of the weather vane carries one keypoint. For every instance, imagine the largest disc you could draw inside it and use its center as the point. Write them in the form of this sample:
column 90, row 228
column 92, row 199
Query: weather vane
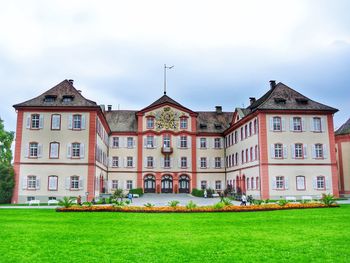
column 165, row 68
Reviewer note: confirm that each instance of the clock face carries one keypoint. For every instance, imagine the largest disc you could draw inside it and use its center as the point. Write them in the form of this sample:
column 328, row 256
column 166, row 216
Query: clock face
column 167, row 119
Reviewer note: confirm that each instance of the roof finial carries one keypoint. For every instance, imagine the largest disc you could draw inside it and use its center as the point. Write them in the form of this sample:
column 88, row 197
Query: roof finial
column 165, row 68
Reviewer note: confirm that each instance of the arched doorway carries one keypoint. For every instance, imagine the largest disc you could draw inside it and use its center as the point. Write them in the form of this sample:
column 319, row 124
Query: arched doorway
column 184, row 184
column 149, row 184
column 167, row 184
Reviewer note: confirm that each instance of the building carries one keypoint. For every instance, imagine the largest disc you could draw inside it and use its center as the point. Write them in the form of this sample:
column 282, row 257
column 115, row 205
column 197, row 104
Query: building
column 342, row 142
column 66, row 145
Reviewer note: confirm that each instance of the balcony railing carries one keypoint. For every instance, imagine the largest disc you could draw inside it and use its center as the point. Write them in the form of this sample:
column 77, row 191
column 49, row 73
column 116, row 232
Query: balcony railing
column 167, row 149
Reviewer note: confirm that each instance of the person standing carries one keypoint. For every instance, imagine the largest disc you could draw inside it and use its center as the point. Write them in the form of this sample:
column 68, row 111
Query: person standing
column 244, row 200
column 205, row 193
column 79, row 200
column 130, row 197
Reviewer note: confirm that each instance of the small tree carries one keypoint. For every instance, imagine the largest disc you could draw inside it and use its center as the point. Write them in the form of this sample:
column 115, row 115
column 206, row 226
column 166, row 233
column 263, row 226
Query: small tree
column 118, row 194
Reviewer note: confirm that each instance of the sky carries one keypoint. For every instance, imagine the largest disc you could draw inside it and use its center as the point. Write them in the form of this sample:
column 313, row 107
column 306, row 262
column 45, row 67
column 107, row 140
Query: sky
column 223, row 52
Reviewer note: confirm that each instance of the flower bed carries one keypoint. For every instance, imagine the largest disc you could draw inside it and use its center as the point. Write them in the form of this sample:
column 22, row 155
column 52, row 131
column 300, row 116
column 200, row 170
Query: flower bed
column 182, row 209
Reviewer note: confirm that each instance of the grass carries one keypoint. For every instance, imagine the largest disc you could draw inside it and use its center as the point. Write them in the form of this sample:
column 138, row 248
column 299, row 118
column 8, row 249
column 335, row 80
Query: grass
column 312, row 235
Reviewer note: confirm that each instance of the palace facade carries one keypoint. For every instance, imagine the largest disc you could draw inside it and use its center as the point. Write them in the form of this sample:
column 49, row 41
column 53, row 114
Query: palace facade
column 281, row 145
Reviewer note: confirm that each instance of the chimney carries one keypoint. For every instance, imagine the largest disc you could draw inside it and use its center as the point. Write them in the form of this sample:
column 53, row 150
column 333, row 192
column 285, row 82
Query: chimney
column 109, row 107
column 272, row 83
column 252, row 100
column 71, row 81
column 218, row 109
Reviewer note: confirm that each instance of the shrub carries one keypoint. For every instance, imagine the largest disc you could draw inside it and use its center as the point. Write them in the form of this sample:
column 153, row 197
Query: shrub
column 191, row 205
column 226, row 201
column 197, row 192
column 173, row 203
column 88, row 204
column 119, row 203
column 118, row 194
column 266, row 201
column 138, row 191
column 66, row 202
column 250, row 199
column 219, row 206
column 210, row 192
column 328, row 199
column 127, row 202
column 282, row 202
column 257, row 202
column 149, row 205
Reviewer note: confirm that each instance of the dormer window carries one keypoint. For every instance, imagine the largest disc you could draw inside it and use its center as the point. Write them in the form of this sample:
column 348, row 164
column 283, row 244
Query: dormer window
column 67, row 98
column 203, row 126
column 280, row 100
column 218, row 126
column 50, row 98
column 302, row 101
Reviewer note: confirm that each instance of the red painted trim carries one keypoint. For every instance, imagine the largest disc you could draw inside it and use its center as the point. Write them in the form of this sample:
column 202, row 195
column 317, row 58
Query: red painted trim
column 139, row 180
column 264, row 170
column 342, row 138
column 123, row 134
column 332, row 155
column 91, row 156
column 56, row 109
column 168, row 104
column 341, row 168
column 103, row 120
column 299, row 164
column 194, row 152
column 17, row 159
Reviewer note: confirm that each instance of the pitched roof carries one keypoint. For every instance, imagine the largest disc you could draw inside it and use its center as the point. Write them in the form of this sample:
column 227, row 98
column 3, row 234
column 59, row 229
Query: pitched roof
column 344, row 129
column 121, row 120
column 65, row 88
column 165, row 99
column 282, row 97
column 213, row 122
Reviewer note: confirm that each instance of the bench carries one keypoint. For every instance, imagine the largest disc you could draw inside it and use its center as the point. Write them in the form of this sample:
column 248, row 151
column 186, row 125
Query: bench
column 291, row 199
column 135, row 195
column 306, row 198
column 52, row 202
column 215, row 195
column 34, row 202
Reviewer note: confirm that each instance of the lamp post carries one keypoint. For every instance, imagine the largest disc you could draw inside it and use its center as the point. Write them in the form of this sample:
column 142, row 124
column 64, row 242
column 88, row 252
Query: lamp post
column 165, row 68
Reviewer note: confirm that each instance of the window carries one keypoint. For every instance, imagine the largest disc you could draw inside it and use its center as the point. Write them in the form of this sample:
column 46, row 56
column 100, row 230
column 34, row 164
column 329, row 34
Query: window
column 74, row 182
column 35, row 121
column 251, row 155
column 52, row 198
column 248, row 184
column 167, row 161
column 183, row 141
column 129, row 184
column 55, row 122
column 50, row 98
column 255, row 126
column 279, row 182
column 115, row 161
column 256, row 152
column 183, row 123
column 150, row 123
column 31, row 182
column 166, row 141
column 183, row 162
column 236, row 158
column 52, row 183
column 320, row 182
column 203, row 162
column 245, row 131
column 319, row 150
column 150, row 141
column 278, row 150
column 115, row 184
column 30, row 198
column 33, row 150
column 129, row 161
column 67, row 98
column 203, row 185
column 257, row 183
column 54, row 150
column 115, row 142
column 317, row 127
column 297, row 124
column 300, row 182
column 252, row 183
column 241, row 133
column 277, row 124
column 217, row 162
column 298, row 150
column 76, row 121
column 247, row 156
column 250, row 129
column 217, row 185
column 236, row 136
column 76, row 150
column 130, row 142
column 242, row 156
column 149, row 161
column 217, row 143
column 203, row 142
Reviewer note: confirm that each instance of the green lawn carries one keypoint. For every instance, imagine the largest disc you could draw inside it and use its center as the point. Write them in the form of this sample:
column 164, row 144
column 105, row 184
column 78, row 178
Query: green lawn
column 312, row 235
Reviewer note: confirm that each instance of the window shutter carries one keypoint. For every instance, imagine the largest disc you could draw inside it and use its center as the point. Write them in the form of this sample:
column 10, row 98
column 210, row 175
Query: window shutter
column 70, row 121
column 274, row 185
column 24, row 182
column 144, row 141
column 83, row 122
column 291, row 126
column 26, row 151
column 312, row 124
column 110, row 185
column 189, row 162
column 253, row 155
column 145, row 162
column 155, row 141
column 272, row 151
column 178, row 143
column 212, row 143
column 285, row 151
column 189, row 142
column 314, row 182
column 28, row 121
column 286, row 183
column 67, row 183
column 283, row 124
column 222, row 164
column 323, row 125
column 40, row 150
column 134, row 143
column 81, row 183
column 199, row 162
column 292, row 148
column 171, row 162
column 313, row 151
column 305, row 151
column 179, row 162
column 328, row 183
column 69, row 150
column 41, row 121
column 82, row 151
column 222, row 142
column 198, row 143
column 325, row 151
column 162, row 162
column 271, row 123
column 154, row 162
column 303, row 126
column 133, row 162
column 37, row 183
column 213, row 162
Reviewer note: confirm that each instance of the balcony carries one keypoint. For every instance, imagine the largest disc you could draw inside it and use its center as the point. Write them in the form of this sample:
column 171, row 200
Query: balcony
column 167, row 150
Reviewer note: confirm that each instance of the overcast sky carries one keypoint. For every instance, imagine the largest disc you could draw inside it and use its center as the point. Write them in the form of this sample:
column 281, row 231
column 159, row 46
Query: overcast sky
column 223, row 51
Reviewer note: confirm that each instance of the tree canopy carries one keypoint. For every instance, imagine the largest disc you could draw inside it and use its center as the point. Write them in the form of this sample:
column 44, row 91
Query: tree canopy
column 6, row 139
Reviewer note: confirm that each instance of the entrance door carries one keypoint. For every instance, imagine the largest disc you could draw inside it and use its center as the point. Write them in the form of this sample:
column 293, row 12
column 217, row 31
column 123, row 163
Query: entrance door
column 184, row 184
column 167, row 184
column 149, row 184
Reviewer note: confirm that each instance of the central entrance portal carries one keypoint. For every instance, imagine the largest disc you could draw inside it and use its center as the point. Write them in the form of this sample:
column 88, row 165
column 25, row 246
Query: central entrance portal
column 150, row 184
column 167, row 184
column 184, row 184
